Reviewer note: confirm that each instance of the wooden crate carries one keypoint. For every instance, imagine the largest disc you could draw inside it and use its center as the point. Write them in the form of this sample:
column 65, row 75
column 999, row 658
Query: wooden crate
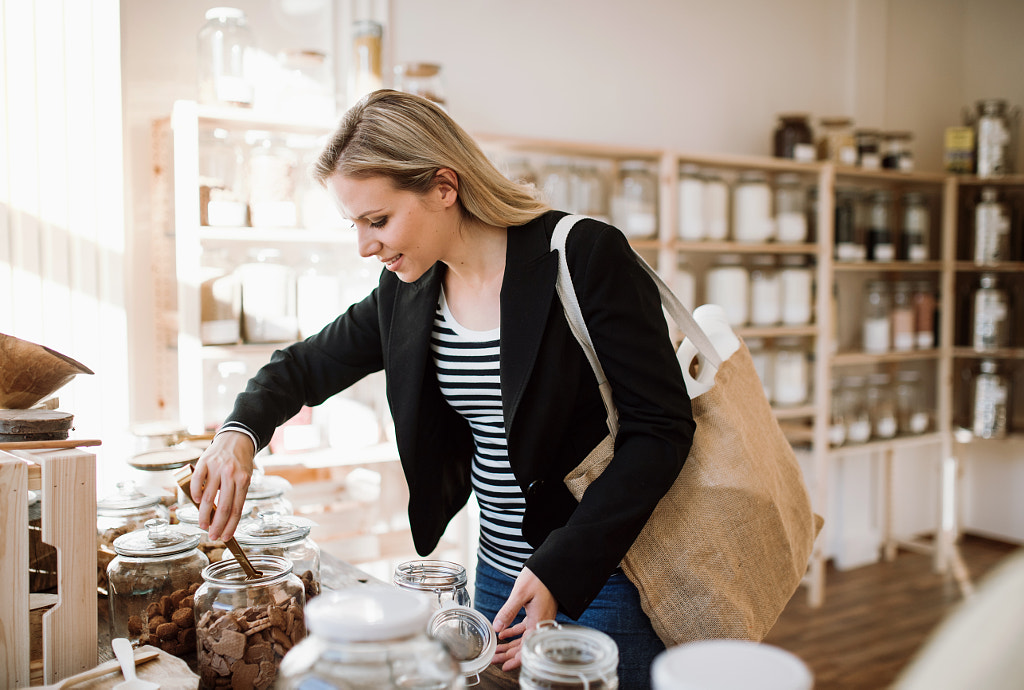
column 66, row 480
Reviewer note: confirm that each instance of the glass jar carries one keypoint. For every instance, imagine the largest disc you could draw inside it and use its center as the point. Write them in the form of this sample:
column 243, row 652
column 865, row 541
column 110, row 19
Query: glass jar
column 715, row 207
column 317, row 294
column 868, row 142
column 556, row 183
column 793, row 138
column 765, row 291
column 991, row 311
column 790, row 376
column 220, row 300
column 271, row 533
column 896, row 153
column 837, row 415
column 222, row 179
column 225, row 44
column 836, row 142
column 568, row 657
column 991, row 228
column 877, row 312
column 752, row 208
column 764, row 364
column 153, row 578
column 911, row 414
column 881, row 406
column 790, row 209
column 518, row 169
column 588, row 193
column 916, row 227
column 691, row 204
column 880, row 245
column 245, row 627
column 443, row 582
column 224, row 378
column 423, row 79
column 635, row 202
column 188, row 514
column 271, row 182
column 307, row 85
column 728, row 285
column 925, row 304
column 268, row 298
column 127, row 510
column 684, row 284
column 364, row 71
column 369, row 638
column 796, row 290
column 991, row 393
column 848, row 240
column 855, row 410
column 904, row 335
column 995, row 127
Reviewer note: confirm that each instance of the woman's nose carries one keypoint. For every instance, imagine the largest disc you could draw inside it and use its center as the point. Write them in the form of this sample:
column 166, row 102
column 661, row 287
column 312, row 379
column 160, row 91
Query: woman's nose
column 367, row 245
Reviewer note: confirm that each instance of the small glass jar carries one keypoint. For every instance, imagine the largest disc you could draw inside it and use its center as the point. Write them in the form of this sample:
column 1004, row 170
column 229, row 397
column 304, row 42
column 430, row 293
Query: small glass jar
column 764, row 363
column 836, row 142
column 369, row 638
column 269, row 310
column 152, row 582
column 225, row 43
column 272, row 168
column 443, row 582
column 691, row 204
column 127, row 510
column 881, row 406
column 868, row 142
column 223, row 183
column 995, row 127
column 589, row 196
column 991, row 312
column 271, row 533
column 916, row 227
column 752, row 208
column 568, row 657
column 424, row 79
column 796, row 290
column 765, row 291
column 793, row 137
column 220, row 300
column 877, row 317
column 245, row 627
column 912, row 416
column 790, row 209
column 848, row 239
column 880, row 244
column 715, row 207
column 896, row 154
column 837, row 414
column 728, row 285
column 790, row 377
column 904, row 335
column 555, row 182
column 365, row 73
column 991, row 228
column 635, row 202
column 991, row 393
column 925, row 304
column 855, row 410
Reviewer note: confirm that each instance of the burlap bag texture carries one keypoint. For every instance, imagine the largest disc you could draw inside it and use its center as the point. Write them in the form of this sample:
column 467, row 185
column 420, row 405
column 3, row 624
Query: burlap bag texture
column 729, row 543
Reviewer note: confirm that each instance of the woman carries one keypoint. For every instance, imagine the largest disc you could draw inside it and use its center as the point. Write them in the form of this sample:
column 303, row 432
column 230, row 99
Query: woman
column 488, row 389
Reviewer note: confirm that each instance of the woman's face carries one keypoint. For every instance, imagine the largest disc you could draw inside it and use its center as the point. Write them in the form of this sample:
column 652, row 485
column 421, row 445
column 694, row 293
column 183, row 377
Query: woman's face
column 406, row 231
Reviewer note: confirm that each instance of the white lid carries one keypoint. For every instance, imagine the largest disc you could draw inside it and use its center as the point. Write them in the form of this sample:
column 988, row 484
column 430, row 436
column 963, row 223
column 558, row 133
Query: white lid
column 373, row 613
column 468, row 636
column 225, row 13
column 722, row 664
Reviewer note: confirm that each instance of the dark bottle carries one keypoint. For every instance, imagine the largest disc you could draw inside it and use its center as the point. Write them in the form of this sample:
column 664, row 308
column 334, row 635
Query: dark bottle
column 793, row 138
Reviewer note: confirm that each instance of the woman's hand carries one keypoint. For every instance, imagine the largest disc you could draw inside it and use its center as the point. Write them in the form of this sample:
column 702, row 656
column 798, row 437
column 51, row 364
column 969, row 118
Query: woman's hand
column 527, row 593
column 225, row 467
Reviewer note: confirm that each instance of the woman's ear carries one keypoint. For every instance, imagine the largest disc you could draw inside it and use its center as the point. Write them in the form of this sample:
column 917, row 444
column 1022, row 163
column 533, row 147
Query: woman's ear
column 447, row 186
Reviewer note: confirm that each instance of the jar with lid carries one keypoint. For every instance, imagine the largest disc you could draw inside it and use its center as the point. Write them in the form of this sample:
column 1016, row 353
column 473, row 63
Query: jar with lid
column 153, row 578
column 836, row 142
column 364, row 72
column 588, row 193
column 271, row 533
column 691, row 203
column 848, row 239
column 222, row 179
column 880, row 245
column 868, row 142
column 764, row 363
column 317, row 294
column 796, row 290
column 836, row 414
column 904, row 334
column 728, row 665
column 124, row 511
column 790, row 209
column 991, row 228
column 225, row 44
column 268, row 298
column 877, row 312
column 991, row 394
column 244, row 627
column 271, row 182
column 752, row 208
column 307, row 88
column 266, row 493
column 188, row 514
column 424, row 79
column 568, row 657
column 995, row 126
column 991, row 313
column 220, row 300
column 793, row 137
column 555, row 182
column 912, row 416
column 896, row 154
column 917, row 227
column 925, row 303
column 790, row 376
column 442, row 583
column 881, row 406
column 855, row 410
column 728, row 285
column 635, row 202
column 765, row 291
column 370, row 638
column 715, row 207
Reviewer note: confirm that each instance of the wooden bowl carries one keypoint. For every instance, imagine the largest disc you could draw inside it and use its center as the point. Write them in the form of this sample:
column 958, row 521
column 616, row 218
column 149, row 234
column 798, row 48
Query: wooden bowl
column 30, row 373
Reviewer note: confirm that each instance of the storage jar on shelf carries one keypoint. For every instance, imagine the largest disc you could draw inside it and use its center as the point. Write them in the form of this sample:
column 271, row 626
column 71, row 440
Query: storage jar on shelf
column 365, row 73
column 790, row 379
column 836, row 143
column 925, row 304
column 849, row 243
column 124, row 511
column 635, row 201
column 715, row 207
column 555, row 181
column 880, row 241
column 991, row 394
column 223, row 184
column 588, row 192
column 272, row 198
column 268, row 298
column 855, row 410
column 793, row 138
column 877, row 317
column 912, row 415
column 868, row 143
column 765, row 291
column 916, row 227
column 691, row 203
column 896, row 153
column 796, row 290
column 995, row 125
column 881, row 406
column 904, row 334
column 837, row 414
column 752, row 220
column 220, row 300
column 991, row 228
column 991, row 315
column 225, row 44
column 728, row 285
column 790, row 209
column 424, row 79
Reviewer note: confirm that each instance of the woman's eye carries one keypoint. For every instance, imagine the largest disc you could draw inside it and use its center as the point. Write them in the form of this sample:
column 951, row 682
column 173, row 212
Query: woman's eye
column 379, row 223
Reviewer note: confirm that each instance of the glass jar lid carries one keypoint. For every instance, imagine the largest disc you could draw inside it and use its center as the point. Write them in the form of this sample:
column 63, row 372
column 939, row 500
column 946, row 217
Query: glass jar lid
column 467, row 634
column 265, row 486
column 569, row 653
column 370, row 613
column 272, row 527
column 430, row 576
column 157, row 538
column 188, row 513
column 127, row 499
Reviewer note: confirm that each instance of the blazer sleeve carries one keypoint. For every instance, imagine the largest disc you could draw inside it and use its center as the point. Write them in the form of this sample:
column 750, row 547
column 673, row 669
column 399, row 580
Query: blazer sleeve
column 622, row 309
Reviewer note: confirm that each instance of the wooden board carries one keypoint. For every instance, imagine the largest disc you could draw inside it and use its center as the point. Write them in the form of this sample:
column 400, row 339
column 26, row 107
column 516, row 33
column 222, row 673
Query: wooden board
column 14, row 611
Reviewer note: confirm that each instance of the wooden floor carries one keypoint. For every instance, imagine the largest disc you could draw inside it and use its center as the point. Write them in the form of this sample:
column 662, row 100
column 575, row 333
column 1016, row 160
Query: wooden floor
column 876, row 617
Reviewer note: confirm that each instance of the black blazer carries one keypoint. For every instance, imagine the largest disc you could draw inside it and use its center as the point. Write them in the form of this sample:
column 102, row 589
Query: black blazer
column 553, row 411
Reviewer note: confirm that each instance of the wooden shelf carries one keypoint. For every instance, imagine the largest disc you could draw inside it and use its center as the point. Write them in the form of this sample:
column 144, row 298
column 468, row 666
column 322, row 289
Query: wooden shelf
column 776, row 331
column 889, row 444
column 891, row 177
column 843, row 359
column 1004, row 353
column 887, row 266
column 247, row 235
column 1001, row 267
column 726, row 247
column 1002, row 181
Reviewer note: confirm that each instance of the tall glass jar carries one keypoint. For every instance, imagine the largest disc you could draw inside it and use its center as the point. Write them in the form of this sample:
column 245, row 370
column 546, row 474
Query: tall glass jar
column 995, row 127
column 765, row 291
column 225, row 43
column 269, row 311
column 848, row 238
column 365, row 74
column 991, row 313
column 223, row 183
column 589, row 195
column 635, row 202
column 568, row 657
column 152, row 582
column 715, row 207
column 911, row 413
column 752, row 219
column 220, row 300
column 245, row 627
column 555, row 180
column 904, row 335
column 880, row 244
column 991, row 228
column 272, row 533
column 728, row 285
column 925, row 303
column 877, row 313
column 855, row 410
column 916, row 227
column 691, row 203
column 369, row 638
column 881, row 406
column 991, row 393
column 836, row 142
column 790, row 209
column 796, row 290
column 868, row 143
column 443, row 582
column 126, row 510
column 790, row 377
column 272, row 172
column 423, row 79
column 837, row 414
column 793, row 137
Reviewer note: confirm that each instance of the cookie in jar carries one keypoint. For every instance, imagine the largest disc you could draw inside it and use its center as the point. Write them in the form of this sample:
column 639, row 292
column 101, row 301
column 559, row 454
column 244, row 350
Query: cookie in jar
column 125, row 511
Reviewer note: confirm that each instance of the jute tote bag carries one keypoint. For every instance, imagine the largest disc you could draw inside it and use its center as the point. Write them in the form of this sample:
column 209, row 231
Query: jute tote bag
column 729, row 543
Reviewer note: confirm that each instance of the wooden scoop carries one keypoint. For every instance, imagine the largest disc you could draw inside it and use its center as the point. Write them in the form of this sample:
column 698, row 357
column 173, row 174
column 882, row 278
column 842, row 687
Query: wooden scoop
column 184, row 479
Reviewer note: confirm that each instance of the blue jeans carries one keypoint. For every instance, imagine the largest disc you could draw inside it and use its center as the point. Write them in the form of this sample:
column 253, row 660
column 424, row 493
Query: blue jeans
column 616, row 612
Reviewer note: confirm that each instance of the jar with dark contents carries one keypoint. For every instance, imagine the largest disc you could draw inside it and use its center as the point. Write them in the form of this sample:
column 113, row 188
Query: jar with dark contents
column 793, row 138
column 124, row 511
column 267, row 493
column 244, row 628
column 274, row 534
column 568, row 657
column 153, row 578
column 868, row 142
column 188, row 514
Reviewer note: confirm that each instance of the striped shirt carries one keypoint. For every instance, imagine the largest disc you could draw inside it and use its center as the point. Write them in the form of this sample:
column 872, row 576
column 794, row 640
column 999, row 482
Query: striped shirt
column 468, row 368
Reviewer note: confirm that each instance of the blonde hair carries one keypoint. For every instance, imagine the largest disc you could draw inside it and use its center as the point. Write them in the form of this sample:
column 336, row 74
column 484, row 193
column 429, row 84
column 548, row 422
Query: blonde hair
column 408, row 139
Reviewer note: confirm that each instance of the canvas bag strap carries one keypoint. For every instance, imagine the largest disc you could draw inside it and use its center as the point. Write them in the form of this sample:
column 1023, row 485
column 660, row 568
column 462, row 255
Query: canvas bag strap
column 574, row 315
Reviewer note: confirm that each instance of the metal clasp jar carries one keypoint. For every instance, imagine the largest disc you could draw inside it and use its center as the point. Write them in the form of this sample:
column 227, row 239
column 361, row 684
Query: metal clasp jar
column 443, row 581
column 568, row 657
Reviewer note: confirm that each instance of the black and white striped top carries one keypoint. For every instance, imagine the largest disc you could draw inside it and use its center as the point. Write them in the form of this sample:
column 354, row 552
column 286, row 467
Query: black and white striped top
column 468, row 365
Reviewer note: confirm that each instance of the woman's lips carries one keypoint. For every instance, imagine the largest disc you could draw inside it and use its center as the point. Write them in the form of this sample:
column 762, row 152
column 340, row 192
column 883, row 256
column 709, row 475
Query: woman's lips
column 392, row 263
